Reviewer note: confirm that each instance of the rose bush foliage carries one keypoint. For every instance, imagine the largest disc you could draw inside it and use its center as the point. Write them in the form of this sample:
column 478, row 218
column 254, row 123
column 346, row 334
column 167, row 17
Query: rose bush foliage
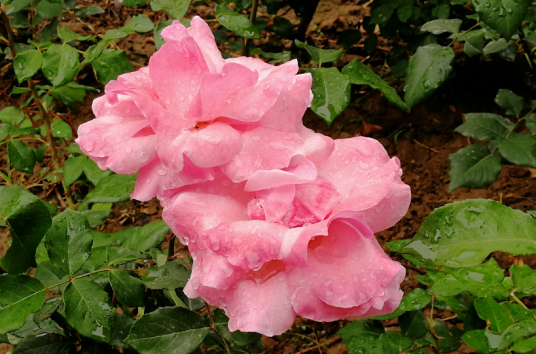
column 279, row 220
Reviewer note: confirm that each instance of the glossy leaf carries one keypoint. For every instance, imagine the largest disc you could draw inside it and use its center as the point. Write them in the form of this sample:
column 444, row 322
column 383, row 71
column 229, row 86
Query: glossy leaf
column 11, row 115
column 442, row 26
column 519, row 149
column 73, row 168
column 237, row 23
column 175, row 8
column 237, row 338
column 497, row 315
column 360, row 74
column 21, row 156
column 281, row 57
column 147, row 237
column 485, row 126
column 27, row 64
column 397, row 340
column 110, row 64
column 60, row 129
column 140, row 24
column 413, row 324
column 463, row 233
column 417, row 299
column 68, row 241
column 478, row 340
column 331, row 91
column 320, row 56
column 112, row 189
column 474, row 166
column 495, row 46
column 504, row 16
column 20, row 296
column 172, row 330
column 48, row 343
column 94, row 174
column 118, row 255
column 48, row 274
column 171, row 275
column 510, row 102
column 428, row 68
column 89, row 310
column 28, row 219
column 60, row 64
column 361, row 336
column 67, row 35
column 158, row 40
column 128, row 289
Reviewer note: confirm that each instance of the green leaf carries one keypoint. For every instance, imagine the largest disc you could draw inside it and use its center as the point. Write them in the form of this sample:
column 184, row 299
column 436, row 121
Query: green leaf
column 175, row 8
column 60, row 64
column 122, row 326
column 480, row 281
column 282, row 27
column 132, row 3
column 510, row 102
column 117, row 255
column 485, row 126
column 147, row 237
column 413, row 324
column 110, row 64
column 20, row 296
column 417, row 299
column 73, row 168
column 89, row 310
column 477, row 340
column 112, row 189
column 19, row 20
column 463, row 233
column 28, row 220
column 404, row 13
column 519, row 149
column 237, row 338
column 95, row 217
column 474, row 42
column 68, row 241
column 21, row 156
column 497, row 315
column 140, row 24
column 49, row 32
column 70, row 94
column 128, row 289
column 182, row 333
column 504, row 16
column 282, row 57
column 331, row 91
column 11, row 115
column 320, row 56
column 442, row 26
column 88, row 11
column 446, row 342
column 158, row 40
column 361, row 336
column 17, row 6
column 48, row 343
column 495, row 46
column 49, row 9
column 49, row 307
column 171, row 275
column 428, row 68
column 5, row 130
column 371, row 43
column 94, row 174
column 397, row 340
column 27, row 64
column 67, row 35
column 474, row 166
column 237, row 23
column 524, row 278
column 360, row 74
column 60, row 129
column 48, row 274
column 349, row 37
column 525, row 346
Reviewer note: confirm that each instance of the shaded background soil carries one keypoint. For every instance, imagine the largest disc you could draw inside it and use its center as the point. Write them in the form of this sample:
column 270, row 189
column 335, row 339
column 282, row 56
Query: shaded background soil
column 422, row 140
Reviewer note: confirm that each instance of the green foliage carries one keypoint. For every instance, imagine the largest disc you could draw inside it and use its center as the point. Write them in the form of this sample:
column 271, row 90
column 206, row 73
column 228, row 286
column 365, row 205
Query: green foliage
column 320, row 56
column 27, row 64
column 21, row 296
column 175, row 8
column 110, row 64
column 237, row 23
column 331, row 91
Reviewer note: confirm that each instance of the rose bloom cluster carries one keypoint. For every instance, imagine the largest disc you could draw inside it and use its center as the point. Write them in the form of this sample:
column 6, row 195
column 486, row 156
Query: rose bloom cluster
column 279, row 220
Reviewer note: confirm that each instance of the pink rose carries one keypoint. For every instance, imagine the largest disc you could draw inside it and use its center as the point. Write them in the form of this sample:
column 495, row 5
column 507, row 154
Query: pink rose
column 191, row 112
column 298, row 246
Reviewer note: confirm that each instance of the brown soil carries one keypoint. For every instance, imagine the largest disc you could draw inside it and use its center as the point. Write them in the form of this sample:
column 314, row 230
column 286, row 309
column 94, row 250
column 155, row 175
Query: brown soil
column 422, row 140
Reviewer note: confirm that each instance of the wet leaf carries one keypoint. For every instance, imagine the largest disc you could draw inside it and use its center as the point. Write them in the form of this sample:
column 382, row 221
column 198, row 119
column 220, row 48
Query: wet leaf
column 510, row 102
column 89, row 310
column 28, row 219
column 94, row 174
column 281, row 57
column 11, row 115
column 237, row 23
column 21, row 156
column 171, row 275
column 110, row 64
column 60, row 129
column 362, row 336
column 48, row 274
column 397, row 340
column 525, row 346
column 360, row 74
column 320, row 56
column 413, row 324
column 49, row 307
column 73, row 168
column 140, row 24
column 495, row 46
column 463, row 233
column 240, row 339
column 417, row 299
column 474, row 166
column 519, row 149
column 523, row 278
column 428, row 68
column 117, row 255
column 442, row 26
column 147, row 237
column 60, row 64
column 175, row 8
column 158, row 40
column 67, row 35
column 485, row 126
column 128, row 289
column 497, row 315
column 68, row 241
column 504, row 16
column 449, row 339
column 20, row 295
column 27, row 64
column 478, row 340
column 331, row 91
column 112, row 189
column 48, row 343
column 182, row 333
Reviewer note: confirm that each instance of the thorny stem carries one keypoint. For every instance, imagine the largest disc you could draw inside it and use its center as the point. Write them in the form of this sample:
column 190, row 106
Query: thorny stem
column 213, row 327
column 44, row 113
column 252, row 18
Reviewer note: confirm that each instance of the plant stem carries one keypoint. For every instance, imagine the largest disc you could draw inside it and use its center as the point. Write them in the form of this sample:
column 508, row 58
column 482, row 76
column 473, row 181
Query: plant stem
column 44, row 113
column 213, row 327
column 516, row 299
column 252, row 18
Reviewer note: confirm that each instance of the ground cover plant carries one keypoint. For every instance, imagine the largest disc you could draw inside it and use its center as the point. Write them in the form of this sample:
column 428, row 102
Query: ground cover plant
column 162, row 194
